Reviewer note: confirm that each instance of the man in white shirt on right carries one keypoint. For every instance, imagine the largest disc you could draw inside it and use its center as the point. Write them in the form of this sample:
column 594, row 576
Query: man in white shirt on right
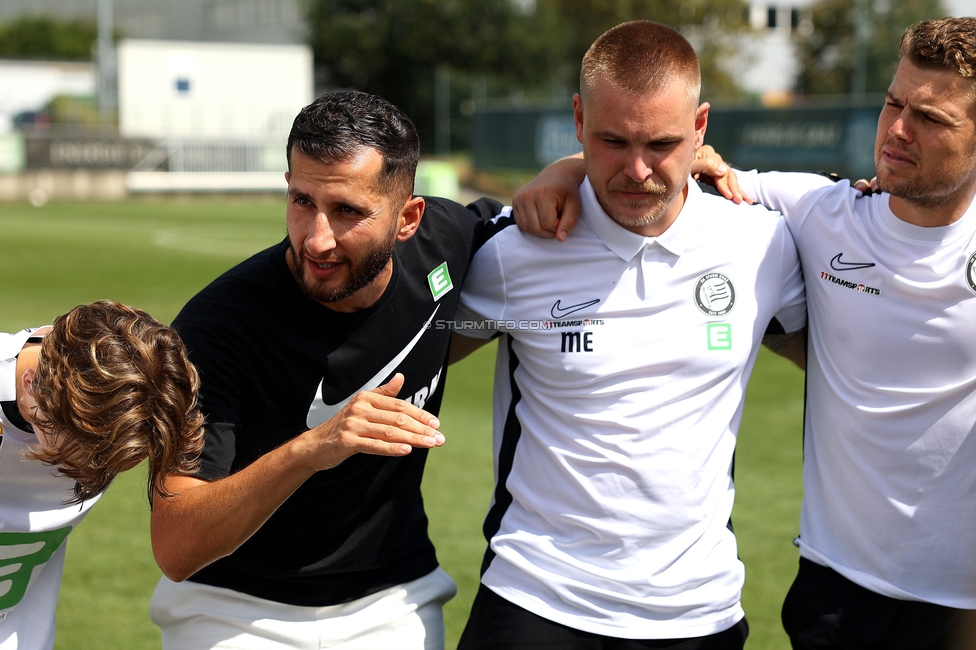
column 888, row 532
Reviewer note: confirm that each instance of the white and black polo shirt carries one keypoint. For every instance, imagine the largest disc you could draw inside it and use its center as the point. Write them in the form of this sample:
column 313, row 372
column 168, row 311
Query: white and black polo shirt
column 618, row 393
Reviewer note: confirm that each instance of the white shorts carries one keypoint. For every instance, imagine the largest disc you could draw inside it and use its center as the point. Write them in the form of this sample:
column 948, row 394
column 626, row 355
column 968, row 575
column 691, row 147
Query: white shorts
column 194, row 616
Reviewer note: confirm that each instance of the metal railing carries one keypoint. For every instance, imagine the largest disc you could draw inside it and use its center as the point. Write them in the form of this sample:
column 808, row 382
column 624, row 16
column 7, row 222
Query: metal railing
column 207, row 155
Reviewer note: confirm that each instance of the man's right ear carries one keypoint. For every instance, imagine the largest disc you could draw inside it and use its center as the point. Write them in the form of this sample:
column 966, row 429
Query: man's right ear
column 27, row 378
column 578, row 116
column 409, row 219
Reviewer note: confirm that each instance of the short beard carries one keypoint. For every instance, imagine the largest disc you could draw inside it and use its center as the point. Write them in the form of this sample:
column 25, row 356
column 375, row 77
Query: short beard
column 913, row 192
column 661, row 195
column 361, row 275
column 936, row 195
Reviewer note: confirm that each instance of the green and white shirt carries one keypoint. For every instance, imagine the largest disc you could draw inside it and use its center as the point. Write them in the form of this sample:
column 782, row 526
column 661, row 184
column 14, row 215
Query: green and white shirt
column 34, row 522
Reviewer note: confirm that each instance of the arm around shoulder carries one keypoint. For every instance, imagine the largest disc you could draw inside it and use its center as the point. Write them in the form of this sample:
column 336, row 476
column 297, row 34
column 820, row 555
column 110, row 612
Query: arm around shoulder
column 790, row 193
column 549, row 205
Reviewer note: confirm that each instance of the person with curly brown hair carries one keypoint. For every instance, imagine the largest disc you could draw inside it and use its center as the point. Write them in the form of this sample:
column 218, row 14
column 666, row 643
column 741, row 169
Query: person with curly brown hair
column 103, row 388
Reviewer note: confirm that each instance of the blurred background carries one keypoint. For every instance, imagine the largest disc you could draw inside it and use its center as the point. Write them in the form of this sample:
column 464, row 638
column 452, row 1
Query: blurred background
column 142, row 154
column 108, row 98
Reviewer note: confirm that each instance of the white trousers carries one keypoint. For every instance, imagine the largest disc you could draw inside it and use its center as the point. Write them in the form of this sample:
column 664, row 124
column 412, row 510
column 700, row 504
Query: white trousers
column 193, row 616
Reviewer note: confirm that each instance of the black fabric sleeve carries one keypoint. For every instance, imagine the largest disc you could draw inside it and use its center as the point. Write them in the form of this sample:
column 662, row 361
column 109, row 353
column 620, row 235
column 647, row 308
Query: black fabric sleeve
column 224, row 381
column 474, row 220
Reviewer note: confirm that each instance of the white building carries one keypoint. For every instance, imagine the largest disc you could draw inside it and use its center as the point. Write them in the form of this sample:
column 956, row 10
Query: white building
column 30, row 85
column 180, row 89
column 220, row 112
column 772, row 62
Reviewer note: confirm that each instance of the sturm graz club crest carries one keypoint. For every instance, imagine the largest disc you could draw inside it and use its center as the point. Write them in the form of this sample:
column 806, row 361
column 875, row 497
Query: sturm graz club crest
column 971, row 272
column 714, row 294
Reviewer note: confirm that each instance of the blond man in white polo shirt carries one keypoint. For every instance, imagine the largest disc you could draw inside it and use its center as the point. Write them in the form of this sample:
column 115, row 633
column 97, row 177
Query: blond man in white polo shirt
column 621, row 376
column 887, row 534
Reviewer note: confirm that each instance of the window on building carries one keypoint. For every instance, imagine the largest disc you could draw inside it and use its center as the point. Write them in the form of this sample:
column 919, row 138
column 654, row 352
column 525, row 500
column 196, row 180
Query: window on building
column 143, row 24
column 230, row 14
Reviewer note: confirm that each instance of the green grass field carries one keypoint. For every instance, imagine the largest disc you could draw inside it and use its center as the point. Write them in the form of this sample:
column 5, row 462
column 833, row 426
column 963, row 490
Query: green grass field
column 155, row 254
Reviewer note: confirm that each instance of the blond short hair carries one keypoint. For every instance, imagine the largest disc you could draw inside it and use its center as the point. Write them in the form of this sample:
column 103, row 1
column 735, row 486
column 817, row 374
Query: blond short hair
column 115, row 387
column 640, row 57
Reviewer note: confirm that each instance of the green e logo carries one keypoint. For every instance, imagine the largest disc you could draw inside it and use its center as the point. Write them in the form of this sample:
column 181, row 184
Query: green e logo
column 440, row 281
column 719, row 336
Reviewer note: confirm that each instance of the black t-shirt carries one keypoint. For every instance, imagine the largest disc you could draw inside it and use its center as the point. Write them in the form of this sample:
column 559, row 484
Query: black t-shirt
column 263, row 348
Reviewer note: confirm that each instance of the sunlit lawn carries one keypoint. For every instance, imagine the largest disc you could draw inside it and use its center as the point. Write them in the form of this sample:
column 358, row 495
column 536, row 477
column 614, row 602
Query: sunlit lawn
column 156, row 254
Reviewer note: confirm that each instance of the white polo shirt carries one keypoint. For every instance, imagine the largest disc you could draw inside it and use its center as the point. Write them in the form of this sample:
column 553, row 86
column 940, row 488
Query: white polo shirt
column 890, row 446
column 34, row 522
column 617, row 399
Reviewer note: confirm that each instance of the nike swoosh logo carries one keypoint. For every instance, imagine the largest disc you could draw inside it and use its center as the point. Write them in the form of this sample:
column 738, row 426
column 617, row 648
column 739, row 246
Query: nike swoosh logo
column 558, row 311
column 839, row 265
column 320, row 412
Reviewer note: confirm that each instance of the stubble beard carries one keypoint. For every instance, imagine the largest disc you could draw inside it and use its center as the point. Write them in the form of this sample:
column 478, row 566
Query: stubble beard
column 916, row 190
column 361, row 273
column 657, row 205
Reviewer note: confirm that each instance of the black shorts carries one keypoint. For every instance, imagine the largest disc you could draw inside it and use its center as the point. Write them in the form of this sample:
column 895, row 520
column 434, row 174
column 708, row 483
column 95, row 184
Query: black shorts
column 497, row 624
column 823, row 609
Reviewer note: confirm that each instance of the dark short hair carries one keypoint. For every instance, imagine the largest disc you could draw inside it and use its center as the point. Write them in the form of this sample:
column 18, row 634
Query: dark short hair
column 116, row 387
column 640, row 56
column 948, row 44
column 337, row 126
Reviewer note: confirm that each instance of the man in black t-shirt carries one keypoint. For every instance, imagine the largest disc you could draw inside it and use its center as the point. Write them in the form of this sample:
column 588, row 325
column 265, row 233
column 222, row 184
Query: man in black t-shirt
column 323, row 363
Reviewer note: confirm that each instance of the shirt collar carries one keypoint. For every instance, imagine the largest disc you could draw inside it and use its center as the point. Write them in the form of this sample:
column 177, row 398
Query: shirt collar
column 626, row 244
column 10, row 347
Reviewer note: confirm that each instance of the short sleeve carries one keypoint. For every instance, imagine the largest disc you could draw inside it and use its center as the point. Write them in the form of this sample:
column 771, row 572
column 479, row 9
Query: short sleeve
column 792, row 313
column 790, row 193
column 482, row 302
column 224, row 381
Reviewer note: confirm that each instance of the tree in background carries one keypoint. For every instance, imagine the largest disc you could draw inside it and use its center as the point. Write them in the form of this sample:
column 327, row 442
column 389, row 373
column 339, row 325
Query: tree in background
column 826, row 47
column 711, row 25
column 394, row 48
column 521, row 48
column 44, row 37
